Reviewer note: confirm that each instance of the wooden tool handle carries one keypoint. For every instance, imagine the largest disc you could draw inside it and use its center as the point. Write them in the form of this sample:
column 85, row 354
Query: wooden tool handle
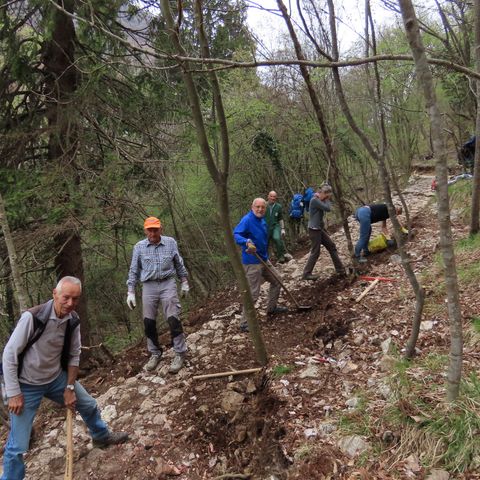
column 69, row 456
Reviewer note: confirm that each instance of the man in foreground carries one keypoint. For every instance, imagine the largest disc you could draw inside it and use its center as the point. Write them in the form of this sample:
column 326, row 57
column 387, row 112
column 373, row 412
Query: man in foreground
column 366, row 215
column 319, row 204
column 41, row 359
column 155, row 263
column 252, row 235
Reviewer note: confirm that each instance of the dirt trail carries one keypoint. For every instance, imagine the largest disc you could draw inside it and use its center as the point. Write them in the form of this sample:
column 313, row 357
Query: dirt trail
column 282, row 423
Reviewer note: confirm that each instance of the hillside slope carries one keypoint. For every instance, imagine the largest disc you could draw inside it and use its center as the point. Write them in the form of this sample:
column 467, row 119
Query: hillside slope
column 327, row 406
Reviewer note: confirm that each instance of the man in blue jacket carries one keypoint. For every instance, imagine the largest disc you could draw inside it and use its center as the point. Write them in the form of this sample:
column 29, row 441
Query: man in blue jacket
column 252, row 235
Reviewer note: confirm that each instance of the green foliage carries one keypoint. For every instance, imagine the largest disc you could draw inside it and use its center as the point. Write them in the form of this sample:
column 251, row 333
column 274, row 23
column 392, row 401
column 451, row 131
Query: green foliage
column 281, row 370
column 358, row 421
column 458, row 428
column 476, row 324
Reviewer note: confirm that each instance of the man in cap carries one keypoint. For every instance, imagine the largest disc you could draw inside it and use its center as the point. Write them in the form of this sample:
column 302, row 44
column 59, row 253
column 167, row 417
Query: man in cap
column 276, row 225
column 155, row 263
column 251, row 234
column 319, row 204
column 41, row 359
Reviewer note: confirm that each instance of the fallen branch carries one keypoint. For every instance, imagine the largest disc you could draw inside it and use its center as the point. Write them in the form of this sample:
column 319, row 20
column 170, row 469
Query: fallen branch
column 226, row 374
column 240, row 476
column 103, row 348
column 381, row 279
column 372, row 285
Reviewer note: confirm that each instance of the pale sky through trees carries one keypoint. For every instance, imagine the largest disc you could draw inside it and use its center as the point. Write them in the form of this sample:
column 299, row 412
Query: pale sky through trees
column 269, row 27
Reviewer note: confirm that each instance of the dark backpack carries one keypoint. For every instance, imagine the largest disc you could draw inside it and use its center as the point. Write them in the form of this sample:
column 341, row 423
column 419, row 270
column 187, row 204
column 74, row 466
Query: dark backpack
column 41, row 314
column 307, row 196
column 296, row 206
column 466, row 156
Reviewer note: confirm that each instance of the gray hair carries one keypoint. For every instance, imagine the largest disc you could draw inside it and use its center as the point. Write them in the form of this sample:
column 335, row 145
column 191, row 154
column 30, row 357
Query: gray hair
column 73, row 280
column 325, row 189
column 261, row 199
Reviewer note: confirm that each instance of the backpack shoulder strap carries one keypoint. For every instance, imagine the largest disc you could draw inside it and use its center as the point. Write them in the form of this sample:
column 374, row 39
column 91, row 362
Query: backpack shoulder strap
column 72, row 324
column 40, row 315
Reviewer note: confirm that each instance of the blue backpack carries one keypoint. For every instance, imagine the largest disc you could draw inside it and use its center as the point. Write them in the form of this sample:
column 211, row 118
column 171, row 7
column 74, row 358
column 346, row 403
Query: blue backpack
column 307, row 196
column 296, row 206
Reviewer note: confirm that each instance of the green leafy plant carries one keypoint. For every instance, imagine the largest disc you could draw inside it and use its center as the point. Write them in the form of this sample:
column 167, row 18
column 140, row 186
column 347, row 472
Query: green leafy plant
column 280, row 370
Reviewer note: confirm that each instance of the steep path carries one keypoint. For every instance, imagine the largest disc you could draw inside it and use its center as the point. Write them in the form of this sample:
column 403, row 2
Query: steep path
column 284, row 422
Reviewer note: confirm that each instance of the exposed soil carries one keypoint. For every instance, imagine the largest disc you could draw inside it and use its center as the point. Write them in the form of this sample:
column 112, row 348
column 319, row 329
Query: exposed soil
column 266, row 436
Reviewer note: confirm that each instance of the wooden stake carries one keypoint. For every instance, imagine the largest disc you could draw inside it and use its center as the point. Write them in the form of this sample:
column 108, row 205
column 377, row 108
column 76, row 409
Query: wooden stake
column 372, row 285
column 226, row 374
column 69, row 457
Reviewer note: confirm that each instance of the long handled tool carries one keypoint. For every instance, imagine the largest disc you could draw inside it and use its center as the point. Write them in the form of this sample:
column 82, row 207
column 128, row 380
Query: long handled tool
column 69, row 457
column 300, row 308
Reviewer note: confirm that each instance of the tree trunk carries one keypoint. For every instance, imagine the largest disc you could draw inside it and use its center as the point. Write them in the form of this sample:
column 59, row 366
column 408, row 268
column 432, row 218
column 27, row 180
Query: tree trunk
column 61, row 78
column 68, row 261
column 425, row 80
column 474, row 220
column 220, row 177
column 327, row 138
column 380, row 161
column 20, row 291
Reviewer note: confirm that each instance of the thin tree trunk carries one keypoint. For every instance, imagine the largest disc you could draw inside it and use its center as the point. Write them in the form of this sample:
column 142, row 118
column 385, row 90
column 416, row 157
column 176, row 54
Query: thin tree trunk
column 384, row 176
column 425, row 80
column 474, row 220
column 327, row 138
column 219, row 177
column 20, row 291
column 376, row 94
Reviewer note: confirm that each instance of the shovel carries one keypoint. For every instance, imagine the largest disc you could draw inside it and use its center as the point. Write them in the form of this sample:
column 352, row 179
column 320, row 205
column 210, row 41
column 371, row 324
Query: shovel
column 300, row 308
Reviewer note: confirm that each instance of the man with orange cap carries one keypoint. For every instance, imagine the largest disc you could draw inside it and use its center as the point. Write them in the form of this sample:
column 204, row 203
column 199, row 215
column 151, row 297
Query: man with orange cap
column 155, row 263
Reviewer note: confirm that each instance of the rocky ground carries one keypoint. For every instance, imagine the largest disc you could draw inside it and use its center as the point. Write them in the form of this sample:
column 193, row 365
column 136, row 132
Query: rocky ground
column 288, row 420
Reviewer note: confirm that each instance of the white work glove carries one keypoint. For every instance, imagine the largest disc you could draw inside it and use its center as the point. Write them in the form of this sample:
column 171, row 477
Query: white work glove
column 185, row 288
column 282, row 232
column 131, row 302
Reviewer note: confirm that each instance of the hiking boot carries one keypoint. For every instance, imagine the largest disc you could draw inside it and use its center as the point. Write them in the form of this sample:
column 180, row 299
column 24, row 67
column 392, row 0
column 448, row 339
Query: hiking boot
column 278, row 309
column 341, row 273
column 310, row 277
column 114, row 438
column 282, row 260
column 177, row 363
column 153, row 362
column 361, row 260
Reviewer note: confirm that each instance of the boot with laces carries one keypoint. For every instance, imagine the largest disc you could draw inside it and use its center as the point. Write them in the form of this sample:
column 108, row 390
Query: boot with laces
column 177, row 363
column 153, row 362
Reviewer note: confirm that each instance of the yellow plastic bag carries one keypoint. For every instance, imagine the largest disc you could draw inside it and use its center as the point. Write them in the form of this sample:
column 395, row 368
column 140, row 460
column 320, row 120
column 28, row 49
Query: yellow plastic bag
column 378, row 243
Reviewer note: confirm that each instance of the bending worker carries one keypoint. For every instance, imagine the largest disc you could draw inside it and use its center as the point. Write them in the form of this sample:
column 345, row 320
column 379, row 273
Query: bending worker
column 366, row 215
column 155, row 262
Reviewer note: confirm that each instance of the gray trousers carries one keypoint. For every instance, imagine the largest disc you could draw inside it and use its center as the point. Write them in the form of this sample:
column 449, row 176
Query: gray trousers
column 319, row 238
column 256, row 275
column 165, row 292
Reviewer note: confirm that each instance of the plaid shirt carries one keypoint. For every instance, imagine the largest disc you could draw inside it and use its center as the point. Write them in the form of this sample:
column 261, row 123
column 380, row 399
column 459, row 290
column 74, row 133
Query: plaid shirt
column 155, row 262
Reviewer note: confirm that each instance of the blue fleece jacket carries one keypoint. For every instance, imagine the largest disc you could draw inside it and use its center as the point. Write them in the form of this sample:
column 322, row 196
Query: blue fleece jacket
column 254, row 229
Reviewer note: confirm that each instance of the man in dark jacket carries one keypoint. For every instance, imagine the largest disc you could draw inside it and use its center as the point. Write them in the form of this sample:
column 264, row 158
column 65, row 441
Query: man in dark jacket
column 47, row 367
column 251, row 234
column 319, row 204
column 366, row 215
